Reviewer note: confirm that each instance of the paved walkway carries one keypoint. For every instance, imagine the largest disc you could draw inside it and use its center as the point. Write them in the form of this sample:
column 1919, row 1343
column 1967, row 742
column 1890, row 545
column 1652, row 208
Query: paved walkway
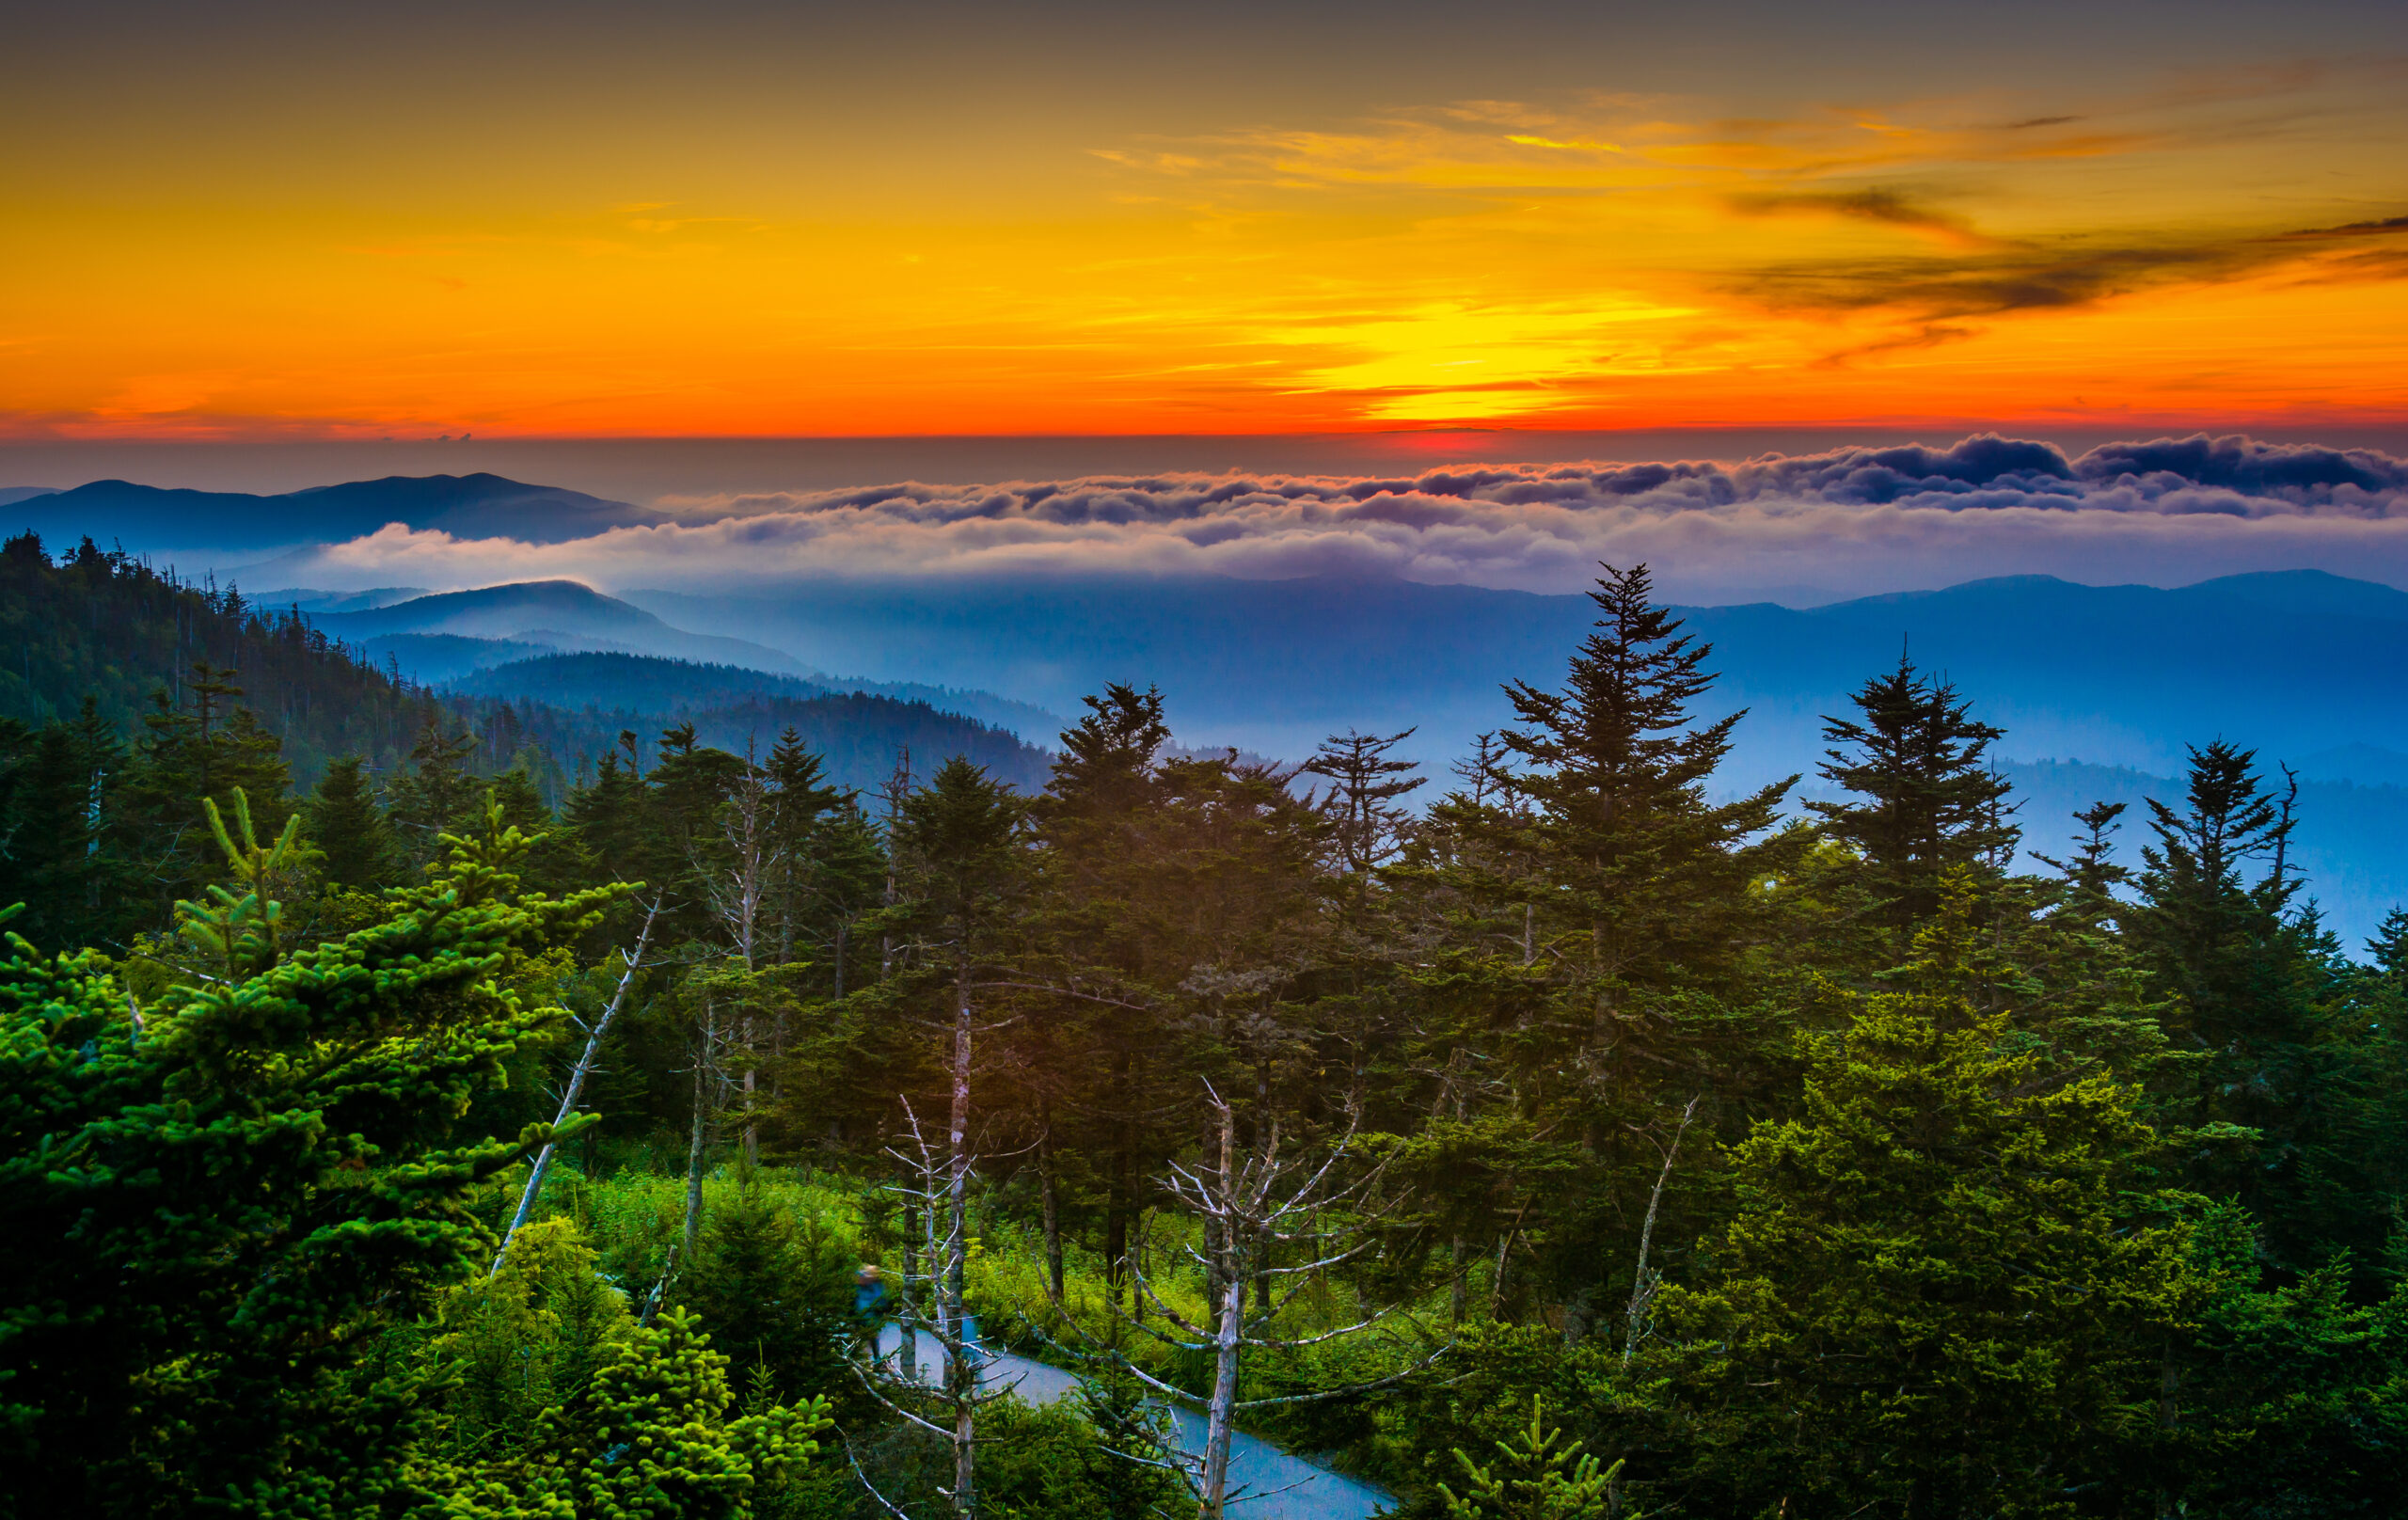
column 1287, row 1487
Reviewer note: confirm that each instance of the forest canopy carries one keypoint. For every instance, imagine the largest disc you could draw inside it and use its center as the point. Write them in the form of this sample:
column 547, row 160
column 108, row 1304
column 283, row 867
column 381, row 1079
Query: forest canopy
column 479, row 1131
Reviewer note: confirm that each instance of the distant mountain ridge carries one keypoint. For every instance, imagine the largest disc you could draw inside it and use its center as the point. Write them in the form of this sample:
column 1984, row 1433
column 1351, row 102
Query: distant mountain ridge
column 163, row 522
column 555, row 614
column 602, row 650
column 2296, row 662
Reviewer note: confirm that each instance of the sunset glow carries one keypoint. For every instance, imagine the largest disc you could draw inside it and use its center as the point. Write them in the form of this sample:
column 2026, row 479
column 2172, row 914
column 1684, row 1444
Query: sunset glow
column 2189, row 245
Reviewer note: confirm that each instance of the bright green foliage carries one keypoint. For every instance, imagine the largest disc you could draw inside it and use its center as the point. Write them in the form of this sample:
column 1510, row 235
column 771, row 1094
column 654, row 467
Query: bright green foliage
column 214, row 1203
column 649, row 1433
column 509, row 1346
column 239, row 934
column 1939, row 1294
column 776, row 1291
column 1815, row 1168
column 1537, row 1475
column 2284, row 1400
column 1051, row 1462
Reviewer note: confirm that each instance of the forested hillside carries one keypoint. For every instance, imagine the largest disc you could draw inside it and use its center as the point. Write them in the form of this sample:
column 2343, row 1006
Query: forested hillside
column 1589, row 1142
column 649, row 683
column 103, row 627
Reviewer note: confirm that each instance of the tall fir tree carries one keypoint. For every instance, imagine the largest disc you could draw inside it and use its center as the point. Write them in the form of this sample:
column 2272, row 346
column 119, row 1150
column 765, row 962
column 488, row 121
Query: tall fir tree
column 437, row 795
column 1918, row 759
column 350, row 830
column 1366, row 779
column 1646, row 873
column 2211, row 927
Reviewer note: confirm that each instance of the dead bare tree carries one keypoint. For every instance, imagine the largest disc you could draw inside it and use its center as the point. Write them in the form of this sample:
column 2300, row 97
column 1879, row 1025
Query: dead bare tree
column 574, row 1087
column 706, row 1041
column 738, row 886
column 1646, row 1279
column 931, row 1301
column 1250, row 1200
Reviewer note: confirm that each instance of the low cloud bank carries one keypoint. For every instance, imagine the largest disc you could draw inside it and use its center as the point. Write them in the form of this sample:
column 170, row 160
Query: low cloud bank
column 1799, row 528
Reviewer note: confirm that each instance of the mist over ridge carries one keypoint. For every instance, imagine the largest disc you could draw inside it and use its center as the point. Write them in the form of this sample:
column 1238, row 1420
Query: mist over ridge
column 1798, row 529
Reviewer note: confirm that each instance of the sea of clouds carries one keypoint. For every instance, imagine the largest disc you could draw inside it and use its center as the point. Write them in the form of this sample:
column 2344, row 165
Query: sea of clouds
column 1798, row 527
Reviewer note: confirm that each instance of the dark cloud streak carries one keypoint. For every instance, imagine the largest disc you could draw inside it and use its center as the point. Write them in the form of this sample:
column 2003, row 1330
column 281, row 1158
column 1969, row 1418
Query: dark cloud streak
column 1995, row 278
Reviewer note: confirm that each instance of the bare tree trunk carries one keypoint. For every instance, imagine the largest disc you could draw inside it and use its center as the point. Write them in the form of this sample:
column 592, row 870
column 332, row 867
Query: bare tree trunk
column 1642, row 1284
column 2169, row 1415
column 1215, row 1251
column 908, row 1301
column 898, row 787
column 1053, row 1207
column 2283, row 833
column 739, row 894
column 751, row 1125
column 1220, row 1418
column 1496, row 1283
column 700, row 1130
column 569, row 1094
column 961, row 1362
column 939, row 1190
column 1229, row 1332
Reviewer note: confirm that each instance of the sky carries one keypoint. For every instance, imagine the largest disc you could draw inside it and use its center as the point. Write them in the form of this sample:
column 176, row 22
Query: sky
column 291, row 223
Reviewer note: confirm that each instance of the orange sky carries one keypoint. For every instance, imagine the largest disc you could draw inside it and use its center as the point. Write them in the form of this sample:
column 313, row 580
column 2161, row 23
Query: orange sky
column 659, row 235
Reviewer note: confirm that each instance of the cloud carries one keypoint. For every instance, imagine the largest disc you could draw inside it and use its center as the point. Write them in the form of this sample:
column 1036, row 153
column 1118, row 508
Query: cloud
column 1848, row 521
column 1887, row 207
column 1991, row 278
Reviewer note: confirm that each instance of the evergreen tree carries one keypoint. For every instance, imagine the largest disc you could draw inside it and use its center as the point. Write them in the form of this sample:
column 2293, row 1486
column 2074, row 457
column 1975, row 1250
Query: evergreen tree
column 1642, row 866
column 66, row 843
column 266, row 1175
column 2287, row 1400
column 556, row 862
column 1944, row 1291
column 2245, row 980
column 612, row 816
column 1102, row 1057
column 2389, row 948
column 2091, row 998
column 1918, row 758
column 808, row 895
column 350, row 830
column 1366, row 781
column 1538, row 1475
column 1630, row 988
column 437, row 796
column 198, row 754
column 778, row 1294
